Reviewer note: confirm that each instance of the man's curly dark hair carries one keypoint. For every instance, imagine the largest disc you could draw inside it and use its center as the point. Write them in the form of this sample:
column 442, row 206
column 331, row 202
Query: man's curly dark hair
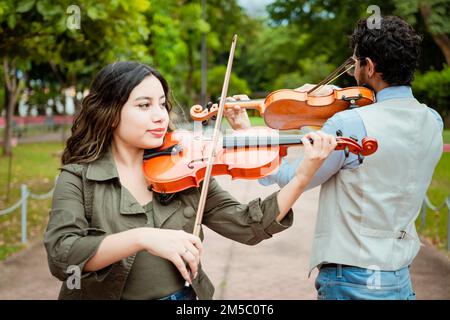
column 394, row 48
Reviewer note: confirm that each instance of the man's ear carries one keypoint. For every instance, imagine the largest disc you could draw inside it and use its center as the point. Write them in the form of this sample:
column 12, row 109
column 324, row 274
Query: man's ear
column 370, row 68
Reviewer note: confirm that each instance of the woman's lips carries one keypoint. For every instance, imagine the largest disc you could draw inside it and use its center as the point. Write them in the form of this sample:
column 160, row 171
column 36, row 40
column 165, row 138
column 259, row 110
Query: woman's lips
column 157, row 132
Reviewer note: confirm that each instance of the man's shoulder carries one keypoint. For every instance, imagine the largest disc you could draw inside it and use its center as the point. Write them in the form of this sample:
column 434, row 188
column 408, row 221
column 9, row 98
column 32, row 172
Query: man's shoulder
column 344, row 118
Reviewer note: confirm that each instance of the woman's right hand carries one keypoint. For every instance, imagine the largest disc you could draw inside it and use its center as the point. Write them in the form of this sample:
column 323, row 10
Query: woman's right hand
column 177, row 246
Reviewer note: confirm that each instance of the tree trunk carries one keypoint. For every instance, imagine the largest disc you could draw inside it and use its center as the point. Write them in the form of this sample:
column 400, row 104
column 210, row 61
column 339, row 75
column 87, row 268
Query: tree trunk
column 64, row 114
column 441, row 40
column 189, row 80
column 9, row 124
column 12, row 90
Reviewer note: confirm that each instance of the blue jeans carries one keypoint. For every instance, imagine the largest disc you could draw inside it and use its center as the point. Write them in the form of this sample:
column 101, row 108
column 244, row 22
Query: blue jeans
column 339, row 282
column 187, row 293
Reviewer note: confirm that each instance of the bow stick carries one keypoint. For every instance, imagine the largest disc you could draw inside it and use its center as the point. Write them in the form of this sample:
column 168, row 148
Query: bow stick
column 212, row 156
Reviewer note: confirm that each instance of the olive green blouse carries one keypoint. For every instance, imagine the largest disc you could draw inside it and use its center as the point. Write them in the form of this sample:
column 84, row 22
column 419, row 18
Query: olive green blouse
column 90, row 203
column 151, row 277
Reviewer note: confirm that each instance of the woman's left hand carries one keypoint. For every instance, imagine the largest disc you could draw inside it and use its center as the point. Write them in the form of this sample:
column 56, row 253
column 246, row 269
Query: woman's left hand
column 315, row 153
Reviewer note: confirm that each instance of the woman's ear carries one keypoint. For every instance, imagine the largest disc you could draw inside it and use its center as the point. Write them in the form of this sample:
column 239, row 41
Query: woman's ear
column 115, row 124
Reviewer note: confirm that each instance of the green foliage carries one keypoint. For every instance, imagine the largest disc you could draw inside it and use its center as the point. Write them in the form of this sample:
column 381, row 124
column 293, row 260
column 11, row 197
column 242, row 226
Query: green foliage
column 432, row 87
column 215, row 82
column 439, row 13
column 309, row 70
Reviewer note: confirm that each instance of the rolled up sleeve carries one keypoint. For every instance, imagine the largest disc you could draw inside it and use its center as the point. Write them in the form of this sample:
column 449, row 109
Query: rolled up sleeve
column 246, row 223
column 68, row 240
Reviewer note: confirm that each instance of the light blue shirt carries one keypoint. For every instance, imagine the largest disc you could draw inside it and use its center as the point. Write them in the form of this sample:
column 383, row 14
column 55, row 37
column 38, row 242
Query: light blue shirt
column 350, row 123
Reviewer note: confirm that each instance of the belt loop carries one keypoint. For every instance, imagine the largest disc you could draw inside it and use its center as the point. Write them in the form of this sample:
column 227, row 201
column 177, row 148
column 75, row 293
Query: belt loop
column 339, row 271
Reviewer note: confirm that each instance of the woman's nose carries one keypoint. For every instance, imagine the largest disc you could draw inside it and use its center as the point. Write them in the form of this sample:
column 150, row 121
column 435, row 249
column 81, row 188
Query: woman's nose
column 158, row 115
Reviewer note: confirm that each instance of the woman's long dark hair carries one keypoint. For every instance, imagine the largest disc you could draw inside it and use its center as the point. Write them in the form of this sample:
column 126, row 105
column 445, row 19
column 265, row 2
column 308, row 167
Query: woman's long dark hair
column 93, row 126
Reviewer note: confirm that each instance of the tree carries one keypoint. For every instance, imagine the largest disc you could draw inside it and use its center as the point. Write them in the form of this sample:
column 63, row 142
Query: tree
column 435, row 15
column 36, row 33
column 17, row 37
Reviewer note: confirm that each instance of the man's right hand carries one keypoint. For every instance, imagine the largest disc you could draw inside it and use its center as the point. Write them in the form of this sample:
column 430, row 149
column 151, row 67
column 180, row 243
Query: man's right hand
column 237, row 116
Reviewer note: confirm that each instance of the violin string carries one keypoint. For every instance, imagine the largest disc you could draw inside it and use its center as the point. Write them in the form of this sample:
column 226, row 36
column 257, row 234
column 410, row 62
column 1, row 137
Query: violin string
column 333, row 74
column 335, row 71
column 346, row 70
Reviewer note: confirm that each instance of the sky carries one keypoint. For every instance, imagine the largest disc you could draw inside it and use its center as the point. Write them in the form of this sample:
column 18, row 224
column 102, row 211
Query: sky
column 255, row 7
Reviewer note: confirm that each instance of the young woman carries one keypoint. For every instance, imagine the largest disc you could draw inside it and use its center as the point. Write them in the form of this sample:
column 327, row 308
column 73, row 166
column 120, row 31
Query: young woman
column 108, row 237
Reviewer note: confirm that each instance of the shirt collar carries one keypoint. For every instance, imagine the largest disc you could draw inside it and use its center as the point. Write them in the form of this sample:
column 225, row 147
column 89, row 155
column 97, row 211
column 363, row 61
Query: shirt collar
column 104, row 168
column 394, row 92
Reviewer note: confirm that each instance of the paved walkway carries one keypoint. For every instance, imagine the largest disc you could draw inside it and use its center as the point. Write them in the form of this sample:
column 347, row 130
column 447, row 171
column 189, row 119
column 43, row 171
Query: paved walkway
column 274, row 269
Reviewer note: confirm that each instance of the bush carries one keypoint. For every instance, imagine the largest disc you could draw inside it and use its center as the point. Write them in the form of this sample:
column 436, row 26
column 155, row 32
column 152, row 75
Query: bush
column 309, row 70
column 433, row 88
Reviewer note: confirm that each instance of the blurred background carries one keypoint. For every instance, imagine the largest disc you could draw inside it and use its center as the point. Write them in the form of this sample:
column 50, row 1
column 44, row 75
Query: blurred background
column 50, row 51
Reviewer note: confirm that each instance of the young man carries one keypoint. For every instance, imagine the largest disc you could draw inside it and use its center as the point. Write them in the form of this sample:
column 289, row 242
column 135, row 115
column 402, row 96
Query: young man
column 365, row 237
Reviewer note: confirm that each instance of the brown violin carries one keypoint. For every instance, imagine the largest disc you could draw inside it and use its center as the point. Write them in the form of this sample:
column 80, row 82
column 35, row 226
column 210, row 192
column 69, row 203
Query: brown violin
column 180, row 163
column 288, row 109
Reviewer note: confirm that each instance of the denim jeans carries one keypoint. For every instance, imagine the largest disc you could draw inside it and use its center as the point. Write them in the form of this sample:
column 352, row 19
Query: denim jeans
column 187, row 293
column 352, row 283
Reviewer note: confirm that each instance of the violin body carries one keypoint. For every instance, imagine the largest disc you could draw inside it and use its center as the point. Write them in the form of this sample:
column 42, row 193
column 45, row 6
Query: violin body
column 290, row 109
column 170, row 173
column 177, row 171
column 180, row 163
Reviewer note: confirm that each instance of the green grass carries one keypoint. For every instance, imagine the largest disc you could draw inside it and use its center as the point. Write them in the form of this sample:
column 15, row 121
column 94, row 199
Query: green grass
column 257, row 121
column 435, row 229
column 446, row 136
column 36, row 166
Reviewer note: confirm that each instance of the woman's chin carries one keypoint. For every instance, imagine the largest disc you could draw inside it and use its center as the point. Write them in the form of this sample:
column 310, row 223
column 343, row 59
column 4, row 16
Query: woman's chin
column 153, row 143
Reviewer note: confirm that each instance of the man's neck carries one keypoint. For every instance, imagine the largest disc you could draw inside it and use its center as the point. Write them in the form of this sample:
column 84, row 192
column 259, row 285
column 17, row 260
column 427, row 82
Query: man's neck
column 379, row 85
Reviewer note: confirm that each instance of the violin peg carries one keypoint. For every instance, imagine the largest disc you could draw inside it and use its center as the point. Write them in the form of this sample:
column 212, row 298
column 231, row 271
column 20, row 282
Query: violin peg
column 360, row 158
column 354, row 138
column 205, row 122
column 209, row 105
column 214, row 117
column 339, row 133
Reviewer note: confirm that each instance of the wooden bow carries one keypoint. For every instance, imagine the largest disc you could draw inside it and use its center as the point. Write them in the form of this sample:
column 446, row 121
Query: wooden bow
column 212, row 156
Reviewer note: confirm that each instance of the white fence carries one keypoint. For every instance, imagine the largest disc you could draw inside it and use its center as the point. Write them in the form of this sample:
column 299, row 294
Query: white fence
column 428, row 205
column 25, row 193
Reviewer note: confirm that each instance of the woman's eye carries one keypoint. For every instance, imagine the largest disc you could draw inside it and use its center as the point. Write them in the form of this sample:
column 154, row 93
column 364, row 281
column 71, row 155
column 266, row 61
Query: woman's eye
column 164, row 105
column 144, row 105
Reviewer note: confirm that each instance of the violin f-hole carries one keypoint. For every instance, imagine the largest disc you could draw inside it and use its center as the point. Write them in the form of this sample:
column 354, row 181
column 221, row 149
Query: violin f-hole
column 190, row 164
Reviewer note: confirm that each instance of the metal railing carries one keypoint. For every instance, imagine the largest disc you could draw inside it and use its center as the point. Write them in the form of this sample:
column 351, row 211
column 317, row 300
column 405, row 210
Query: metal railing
column 25, row 193
column 428, row 205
